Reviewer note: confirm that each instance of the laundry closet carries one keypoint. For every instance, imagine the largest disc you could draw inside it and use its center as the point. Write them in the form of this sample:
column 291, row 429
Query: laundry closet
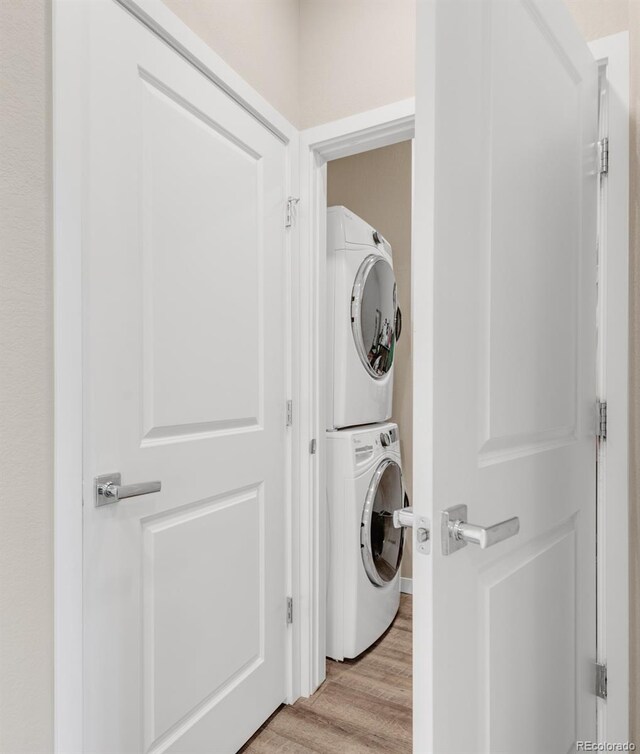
column 368, row 394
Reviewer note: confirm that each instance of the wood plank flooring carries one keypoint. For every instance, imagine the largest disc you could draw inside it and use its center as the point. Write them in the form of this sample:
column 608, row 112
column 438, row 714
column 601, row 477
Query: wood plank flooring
column 365, row 705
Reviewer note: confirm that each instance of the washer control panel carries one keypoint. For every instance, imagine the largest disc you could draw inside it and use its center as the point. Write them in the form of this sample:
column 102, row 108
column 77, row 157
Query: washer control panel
column 374, row 442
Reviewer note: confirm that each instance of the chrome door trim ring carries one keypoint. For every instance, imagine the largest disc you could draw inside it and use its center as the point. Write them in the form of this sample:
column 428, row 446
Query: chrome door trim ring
column 365, row 528
column 356, row 310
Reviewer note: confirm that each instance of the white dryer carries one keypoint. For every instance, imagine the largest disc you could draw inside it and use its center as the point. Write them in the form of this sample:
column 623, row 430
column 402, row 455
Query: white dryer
column 364, row 321
column 364, row 488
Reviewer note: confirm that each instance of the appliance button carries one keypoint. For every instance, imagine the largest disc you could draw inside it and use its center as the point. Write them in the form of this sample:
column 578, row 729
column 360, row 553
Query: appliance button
column 385, row 439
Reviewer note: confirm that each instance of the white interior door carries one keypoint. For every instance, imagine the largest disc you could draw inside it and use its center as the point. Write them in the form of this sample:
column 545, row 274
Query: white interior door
column 504, row 348
column 184, row 270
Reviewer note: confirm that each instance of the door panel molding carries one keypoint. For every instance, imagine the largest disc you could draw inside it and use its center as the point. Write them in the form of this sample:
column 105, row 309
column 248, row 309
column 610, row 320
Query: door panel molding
column 155, row 527
column 166, row 25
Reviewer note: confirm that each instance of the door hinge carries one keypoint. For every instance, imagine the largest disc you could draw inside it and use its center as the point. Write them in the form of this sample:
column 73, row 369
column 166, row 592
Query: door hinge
column 289, row 413
column 313, row 446
column 601, row 420
column 603, row 156
column 290, row 214
column 289, row 609
column 601, row 680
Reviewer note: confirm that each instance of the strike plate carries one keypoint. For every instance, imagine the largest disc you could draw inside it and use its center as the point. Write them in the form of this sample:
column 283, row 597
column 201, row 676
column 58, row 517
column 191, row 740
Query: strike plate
column 449, row 543
column 422, row 535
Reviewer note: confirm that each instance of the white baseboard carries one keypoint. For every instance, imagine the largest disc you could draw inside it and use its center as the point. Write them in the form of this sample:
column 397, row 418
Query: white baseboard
column 406, row 585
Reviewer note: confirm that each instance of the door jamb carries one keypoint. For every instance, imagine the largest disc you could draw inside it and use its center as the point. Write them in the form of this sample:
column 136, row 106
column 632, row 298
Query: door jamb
column 358, row 133
column 612, row 55
column 70, row 44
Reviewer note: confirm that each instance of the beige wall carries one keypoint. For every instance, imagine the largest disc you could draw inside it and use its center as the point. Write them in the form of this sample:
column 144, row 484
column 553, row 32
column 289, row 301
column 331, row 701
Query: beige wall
column 258, row 38
column 26, row 452
column 314, row 60
column 376, row 186
column 599, row 18
column 355, row 55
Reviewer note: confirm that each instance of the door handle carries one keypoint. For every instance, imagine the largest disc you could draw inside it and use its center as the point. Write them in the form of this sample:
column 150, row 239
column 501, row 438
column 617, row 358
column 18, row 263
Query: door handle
column 456, row 532
column 108, row 489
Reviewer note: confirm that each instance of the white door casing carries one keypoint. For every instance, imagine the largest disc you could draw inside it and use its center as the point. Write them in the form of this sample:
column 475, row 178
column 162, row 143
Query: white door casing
column 184, row 382
column 504, row 359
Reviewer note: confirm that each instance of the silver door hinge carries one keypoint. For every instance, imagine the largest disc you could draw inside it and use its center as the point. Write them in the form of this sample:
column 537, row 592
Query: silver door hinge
column 601, row 680
column 289, row 413
column 313, row 446
column 603, row 156
column 290, row 214
column 289, row 609
column 601, row 420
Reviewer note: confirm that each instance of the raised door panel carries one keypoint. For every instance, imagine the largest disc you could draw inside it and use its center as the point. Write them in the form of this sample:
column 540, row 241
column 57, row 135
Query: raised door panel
column 194, row 653
column 202, row 241
column 530, row 332
column 527, row 606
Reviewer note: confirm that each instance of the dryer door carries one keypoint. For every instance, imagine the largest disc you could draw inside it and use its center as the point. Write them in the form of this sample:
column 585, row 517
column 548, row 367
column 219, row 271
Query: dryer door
column 373, row 315
column 381, row 543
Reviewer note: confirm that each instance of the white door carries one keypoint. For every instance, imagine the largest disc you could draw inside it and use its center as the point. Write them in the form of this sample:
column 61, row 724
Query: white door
column 184, row 270
column 505, row 368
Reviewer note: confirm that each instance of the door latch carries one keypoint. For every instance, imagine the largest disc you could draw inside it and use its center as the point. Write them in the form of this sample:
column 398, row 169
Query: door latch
column 420, row 525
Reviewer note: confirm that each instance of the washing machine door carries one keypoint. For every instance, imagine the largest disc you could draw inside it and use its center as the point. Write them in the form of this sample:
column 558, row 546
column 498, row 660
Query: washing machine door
column 381, row 542
column 373, row 315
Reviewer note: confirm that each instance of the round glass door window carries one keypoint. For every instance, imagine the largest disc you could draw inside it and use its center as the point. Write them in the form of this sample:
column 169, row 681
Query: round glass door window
column 373, row 315
column 381, row 543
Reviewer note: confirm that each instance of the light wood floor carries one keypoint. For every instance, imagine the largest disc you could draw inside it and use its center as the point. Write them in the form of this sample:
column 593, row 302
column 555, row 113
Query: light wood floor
column 364, row 705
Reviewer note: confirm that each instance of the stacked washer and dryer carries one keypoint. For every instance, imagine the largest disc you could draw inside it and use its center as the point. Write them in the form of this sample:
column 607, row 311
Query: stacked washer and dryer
column 364, row 470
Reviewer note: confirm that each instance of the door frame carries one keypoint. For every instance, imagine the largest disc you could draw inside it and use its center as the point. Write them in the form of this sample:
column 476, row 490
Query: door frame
column 69, row 46
column 612, row 55
column 352, row 135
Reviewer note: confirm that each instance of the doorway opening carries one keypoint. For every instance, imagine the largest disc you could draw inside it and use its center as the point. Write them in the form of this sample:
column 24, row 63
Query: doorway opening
column 357, row 660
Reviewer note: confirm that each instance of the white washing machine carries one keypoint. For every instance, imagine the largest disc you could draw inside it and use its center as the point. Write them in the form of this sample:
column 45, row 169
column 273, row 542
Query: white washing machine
column 364, row 488
column 364, row 321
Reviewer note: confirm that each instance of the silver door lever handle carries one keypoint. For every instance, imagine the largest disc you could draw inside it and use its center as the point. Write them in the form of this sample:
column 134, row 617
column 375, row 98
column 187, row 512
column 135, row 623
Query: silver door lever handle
column 108, row 489
column 456, row 532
